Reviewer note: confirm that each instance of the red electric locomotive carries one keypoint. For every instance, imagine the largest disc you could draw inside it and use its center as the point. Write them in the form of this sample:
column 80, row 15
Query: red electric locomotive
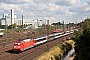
column 21, row 45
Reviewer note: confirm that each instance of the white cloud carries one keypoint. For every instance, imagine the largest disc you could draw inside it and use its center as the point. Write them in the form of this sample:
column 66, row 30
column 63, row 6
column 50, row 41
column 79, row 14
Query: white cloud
column 53, row 10
column 15, row 1
column 66, row 2
column 88, row 1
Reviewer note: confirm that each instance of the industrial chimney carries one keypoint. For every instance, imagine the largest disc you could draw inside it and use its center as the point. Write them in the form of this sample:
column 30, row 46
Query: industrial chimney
column 12, row 16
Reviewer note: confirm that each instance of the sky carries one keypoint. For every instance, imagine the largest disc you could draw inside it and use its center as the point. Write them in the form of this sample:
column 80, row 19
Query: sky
column 52, row 10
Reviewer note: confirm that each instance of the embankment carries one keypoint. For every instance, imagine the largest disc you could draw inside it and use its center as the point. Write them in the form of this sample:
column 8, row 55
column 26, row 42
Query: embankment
column 57, row 52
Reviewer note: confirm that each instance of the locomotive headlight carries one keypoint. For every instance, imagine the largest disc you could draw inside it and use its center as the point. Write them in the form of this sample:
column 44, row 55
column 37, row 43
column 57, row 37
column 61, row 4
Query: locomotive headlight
column 18, row 43
column 14, row 46
column 18, row 46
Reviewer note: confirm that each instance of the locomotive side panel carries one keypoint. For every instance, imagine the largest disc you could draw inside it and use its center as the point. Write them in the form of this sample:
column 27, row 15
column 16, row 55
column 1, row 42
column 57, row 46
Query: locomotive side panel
column 27, row 45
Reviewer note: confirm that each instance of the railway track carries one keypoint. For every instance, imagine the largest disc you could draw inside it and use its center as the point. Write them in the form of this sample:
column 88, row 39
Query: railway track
column 31, row 53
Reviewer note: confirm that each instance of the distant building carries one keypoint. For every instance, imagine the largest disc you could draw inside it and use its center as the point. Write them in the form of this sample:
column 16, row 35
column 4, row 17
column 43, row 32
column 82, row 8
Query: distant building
column 27, row 21
column 9, row 21
column 2, row 21
column 18, row 21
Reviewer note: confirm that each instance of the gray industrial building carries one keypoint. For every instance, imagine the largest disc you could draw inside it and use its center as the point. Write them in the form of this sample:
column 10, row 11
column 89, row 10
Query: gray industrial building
column 19, row 21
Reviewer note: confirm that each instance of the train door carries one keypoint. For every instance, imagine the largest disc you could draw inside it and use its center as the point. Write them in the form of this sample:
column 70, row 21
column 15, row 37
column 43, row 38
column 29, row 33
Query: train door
column 31, row 43
column 22, row 46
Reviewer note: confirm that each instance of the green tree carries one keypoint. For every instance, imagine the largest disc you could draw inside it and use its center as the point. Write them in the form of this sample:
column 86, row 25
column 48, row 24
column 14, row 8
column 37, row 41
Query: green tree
column 85, row 23
column 14, row 25
column 82, row 41
column 82, row 45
